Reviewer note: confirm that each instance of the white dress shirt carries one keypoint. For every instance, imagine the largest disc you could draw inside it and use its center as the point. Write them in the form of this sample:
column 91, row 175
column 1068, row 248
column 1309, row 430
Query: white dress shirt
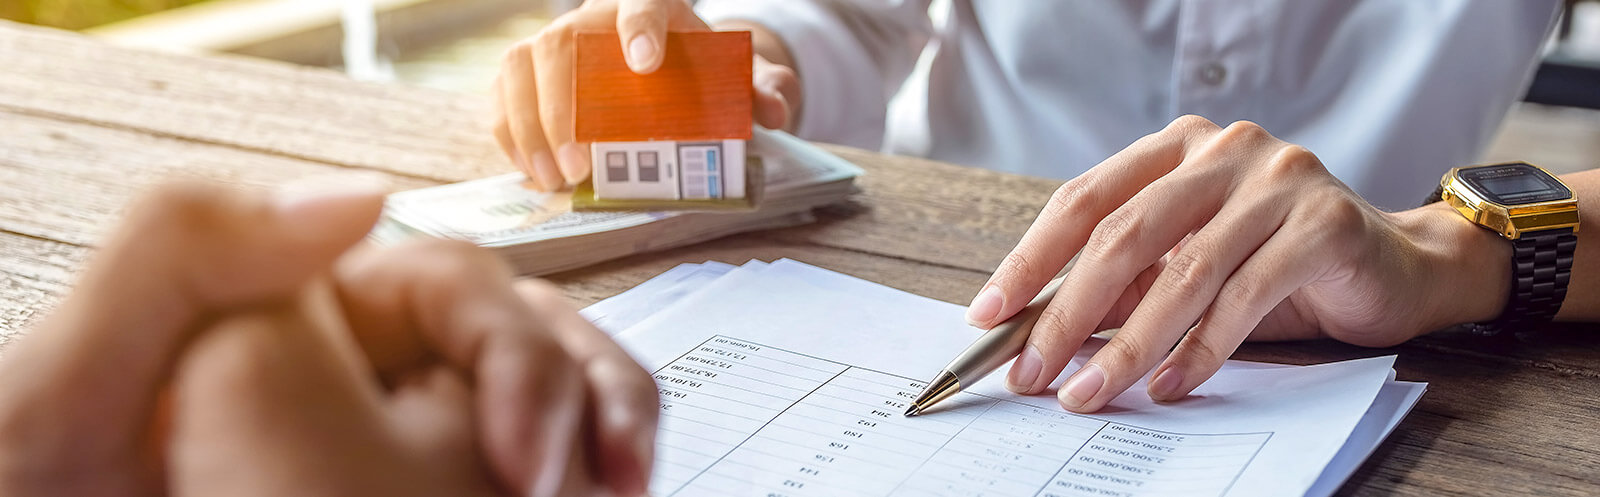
column 1389, row 93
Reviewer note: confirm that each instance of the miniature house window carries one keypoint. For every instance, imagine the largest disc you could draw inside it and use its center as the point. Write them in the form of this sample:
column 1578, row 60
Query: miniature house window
column 617, row 166
column 649, row 166
column 701, row 176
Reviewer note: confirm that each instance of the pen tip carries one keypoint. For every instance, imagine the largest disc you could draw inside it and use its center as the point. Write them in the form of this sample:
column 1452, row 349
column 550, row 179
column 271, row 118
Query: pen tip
column 913, row 410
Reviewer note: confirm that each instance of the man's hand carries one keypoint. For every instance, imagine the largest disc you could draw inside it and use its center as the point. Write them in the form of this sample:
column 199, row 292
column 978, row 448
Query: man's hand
column 534, row 91
column 79, row 395
column 209, row 300
column 547, row 381
column 1199, row 236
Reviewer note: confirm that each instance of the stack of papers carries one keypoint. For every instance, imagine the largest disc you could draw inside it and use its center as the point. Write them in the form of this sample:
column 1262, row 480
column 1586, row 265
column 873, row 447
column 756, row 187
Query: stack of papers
column 787, row 379
column 538, row 233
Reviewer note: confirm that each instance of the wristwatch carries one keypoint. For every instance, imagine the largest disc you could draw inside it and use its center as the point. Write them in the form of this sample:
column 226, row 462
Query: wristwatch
column 1539, row 215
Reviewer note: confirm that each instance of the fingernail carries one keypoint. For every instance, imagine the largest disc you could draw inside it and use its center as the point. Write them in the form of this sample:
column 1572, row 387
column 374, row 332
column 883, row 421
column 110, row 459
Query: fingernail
column 1083, row 386
column 521, row 161
column 1165, row 385
column 618, row 414
column 546, row 486
column 311, row 198
column 641, row 53
column 644, row 449
column 1026, row 371
column 551, row 468
column 766, row 85
column 620, row 419
column 985, row 307
column 574, row 162
column 644, row 446
column 553, row 448
column 544, row 165
column 524, row 164
column 780, row 115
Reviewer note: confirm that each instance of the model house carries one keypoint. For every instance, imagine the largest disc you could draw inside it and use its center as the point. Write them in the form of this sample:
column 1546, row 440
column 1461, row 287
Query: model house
column 678, row 133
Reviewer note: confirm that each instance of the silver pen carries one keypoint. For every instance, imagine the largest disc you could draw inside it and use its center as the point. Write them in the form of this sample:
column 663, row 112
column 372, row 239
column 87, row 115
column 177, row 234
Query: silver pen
column 988, row 353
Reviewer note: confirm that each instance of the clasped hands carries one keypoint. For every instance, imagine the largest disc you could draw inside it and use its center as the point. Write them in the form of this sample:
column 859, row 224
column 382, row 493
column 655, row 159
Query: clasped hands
column 228, row 343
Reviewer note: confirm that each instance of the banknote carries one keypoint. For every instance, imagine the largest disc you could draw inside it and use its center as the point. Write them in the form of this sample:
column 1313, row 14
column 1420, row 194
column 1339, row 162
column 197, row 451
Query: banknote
column 504, row 213
column 502, row 210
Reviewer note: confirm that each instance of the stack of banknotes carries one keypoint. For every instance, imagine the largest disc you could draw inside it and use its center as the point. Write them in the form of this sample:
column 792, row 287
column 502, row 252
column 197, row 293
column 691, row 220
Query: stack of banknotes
column 538, row 233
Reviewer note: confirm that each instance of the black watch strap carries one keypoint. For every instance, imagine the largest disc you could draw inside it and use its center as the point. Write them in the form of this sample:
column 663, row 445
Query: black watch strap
column 1541, row 265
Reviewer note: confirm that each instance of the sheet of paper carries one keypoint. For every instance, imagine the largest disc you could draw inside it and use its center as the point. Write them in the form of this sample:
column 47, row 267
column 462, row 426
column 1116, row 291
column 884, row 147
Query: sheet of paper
column 1394, row 401
column 634, row 305
column 790, row 380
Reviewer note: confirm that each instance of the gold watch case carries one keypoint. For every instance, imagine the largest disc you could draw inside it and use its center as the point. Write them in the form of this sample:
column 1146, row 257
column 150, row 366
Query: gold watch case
column 1510, row 221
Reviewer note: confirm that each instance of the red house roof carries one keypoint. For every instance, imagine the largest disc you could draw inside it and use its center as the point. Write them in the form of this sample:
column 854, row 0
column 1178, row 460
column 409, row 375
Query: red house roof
column 701, row 92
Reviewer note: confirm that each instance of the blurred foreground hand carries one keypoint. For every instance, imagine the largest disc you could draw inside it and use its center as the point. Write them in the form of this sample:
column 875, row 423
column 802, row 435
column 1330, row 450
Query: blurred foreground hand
column 229, row 343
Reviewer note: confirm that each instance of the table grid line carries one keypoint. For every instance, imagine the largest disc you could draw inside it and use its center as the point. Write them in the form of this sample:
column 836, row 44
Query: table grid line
column 725, row 385
column 753, row 433
column 1030, row 406
column 941, row 448
column 888, row 435
column 769, row 370
column 1039, row 422
column 1246, row 464
column 707, row 409
column 703, row 344
column 720, row 373
column 1053, row 477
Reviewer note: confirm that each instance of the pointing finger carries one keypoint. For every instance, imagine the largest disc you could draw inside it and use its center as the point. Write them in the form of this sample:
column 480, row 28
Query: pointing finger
column 1065, row 223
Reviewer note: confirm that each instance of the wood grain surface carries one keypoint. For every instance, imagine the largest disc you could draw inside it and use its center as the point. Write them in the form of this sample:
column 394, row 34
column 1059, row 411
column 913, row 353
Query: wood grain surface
column 84, row 127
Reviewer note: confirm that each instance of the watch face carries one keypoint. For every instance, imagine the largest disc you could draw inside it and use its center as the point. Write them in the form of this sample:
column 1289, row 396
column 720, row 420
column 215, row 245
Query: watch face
column 1514, row 184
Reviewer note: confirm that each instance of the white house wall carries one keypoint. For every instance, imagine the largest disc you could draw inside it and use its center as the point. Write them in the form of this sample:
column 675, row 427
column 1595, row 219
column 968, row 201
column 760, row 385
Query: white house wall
column 734, row 181
column 671, row 170
column 624, row 170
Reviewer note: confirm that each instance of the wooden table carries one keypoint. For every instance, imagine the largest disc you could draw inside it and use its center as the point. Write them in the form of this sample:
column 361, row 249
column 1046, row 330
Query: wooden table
column 84, row 126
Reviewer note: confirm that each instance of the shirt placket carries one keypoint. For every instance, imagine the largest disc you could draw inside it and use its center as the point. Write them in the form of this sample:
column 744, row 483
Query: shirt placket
column 1221, row 48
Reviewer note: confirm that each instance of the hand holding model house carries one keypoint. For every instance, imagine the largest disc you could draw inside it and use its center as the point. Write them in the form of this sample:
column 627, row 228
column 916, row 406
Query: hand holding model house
column 538, row 96
column 677, row 133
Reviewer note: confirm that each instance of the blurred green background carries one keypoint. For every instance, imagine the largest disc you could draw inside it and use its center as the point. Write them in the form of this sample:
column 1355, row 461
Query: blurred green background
column 79, row 14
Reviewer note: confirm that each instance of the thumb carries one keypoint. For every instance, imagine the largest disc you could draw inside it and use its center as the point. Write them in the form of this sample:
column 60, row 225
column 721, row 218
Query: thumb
column 642, row 27
column 83, row 385
column 777, row 94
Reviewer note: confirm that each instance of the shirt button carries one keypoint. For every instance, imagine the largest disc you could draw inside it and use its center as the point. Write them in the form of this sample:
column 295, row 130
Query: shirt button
column 1213, row 73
